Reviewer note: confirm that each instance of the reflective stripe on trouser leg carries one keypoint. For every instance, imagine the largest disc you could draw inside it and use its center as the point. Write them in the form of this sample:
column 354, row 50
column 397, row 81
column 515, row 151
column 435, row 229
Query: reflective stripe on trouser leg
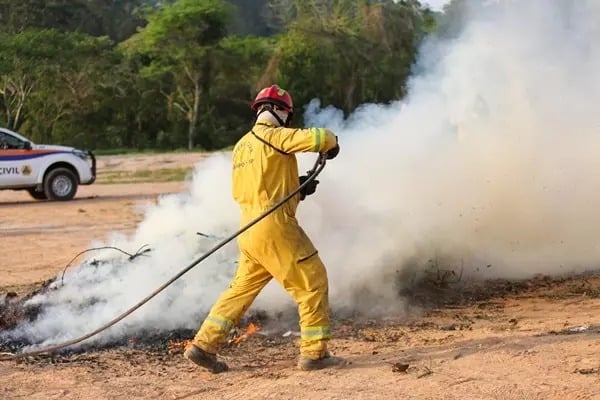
column 282, row 246
column 313, row 341
column 212, row 333
column 315, row 333
column 313, row 307
column 249, row 279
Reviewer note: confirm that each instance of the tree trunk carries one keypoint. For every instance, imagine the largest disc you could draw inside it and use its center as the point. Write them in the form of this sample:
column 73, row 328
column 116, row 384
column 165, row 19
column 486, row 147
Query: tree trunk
column 194, row 116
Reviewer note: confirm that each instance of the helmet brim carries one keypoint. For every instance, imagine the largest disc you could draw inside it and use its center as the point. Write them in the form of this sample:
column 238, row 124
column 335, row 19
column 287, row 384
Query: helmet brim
column 269, row 100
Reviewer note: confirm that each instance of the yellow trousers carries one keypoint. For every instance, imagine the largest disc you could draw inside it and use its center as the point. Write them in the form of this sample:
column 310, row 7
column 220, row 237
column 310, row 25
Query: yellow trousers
column 276, row 247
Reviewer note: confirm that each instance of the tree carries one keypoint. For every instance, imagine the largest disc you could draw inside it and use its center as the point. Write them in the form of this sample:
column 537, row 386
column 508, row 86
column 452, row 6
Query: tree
column 348, row 51
column 180, row 43
column 46, row 75
column 117, row 19
column 240, row 63
column 16, row 84
column 183, row 79
column 20, row 15
column 253, row 17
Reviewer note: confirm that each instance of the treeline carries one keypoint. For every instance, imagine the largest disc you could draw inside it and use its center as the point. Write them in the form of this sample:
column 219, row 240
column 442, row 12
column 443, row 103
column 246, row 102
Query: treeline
column 181, row 73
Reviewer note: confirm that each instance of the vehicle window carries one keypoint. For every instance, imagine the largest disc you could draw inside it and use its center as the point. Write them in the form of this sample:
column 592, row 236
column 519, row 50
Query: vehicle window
column 8, row 142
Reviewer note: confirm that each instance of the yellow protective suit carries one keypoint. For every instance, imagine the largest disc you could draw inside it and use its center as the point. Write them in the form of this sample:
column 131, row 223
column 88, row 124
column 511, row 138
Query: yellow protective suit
column 265, row 171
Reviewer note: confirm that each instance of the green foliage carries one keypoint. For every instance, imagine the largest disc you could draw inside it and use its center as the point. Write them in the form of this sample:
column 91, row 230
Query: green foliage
column 241, row 61
column 180, row 43
column 348, row 52
column 143, row 74
column 48, row 76
column 117, row 19
column 255, row 17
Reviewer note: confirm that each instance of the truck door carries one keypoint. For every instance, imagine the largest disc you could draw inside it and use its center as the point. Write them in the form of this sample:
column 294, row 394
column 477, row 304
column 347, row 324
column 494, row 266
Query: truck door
column 16, row 168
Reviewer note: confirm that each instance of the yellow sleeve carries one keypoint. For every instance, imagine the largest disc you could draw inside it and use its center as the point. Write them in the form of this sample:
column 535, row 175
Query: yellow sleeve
column 318, row 140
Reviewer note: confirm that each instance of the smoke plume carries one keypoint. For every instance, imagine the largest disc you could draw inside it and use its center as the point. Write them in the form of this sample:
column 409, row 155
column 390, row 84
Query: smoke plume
column 491, row 162
column 492, row 159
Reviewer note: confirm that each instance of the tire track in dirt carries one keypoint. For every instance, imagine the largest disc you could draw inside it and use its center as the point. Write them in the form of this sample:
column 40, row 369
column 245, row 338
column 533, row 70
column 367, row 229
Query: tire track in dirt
column 55, row 229
column 82, row 200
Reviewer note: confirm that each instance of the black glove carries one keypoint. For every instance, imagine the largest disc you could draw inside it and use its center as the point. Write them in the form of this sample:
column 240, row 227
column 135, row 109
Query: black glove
column 308, row 189
column 331, row 154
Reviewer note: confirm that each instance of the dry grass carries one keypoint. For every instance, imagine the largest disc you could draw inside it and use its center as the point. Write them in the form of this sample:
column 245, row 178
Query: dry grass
column 142, row 176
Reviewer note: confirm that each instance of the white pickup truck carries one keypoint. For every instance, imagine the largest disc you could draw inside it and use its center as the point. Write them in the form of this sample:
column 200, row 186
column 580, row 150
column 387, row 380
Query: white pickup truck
column 46, row 172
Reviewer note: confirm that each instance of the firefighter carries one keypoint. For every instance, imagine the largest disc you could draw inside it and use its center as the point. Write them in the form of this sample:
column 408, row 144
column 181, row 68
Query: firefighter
column 265, row 170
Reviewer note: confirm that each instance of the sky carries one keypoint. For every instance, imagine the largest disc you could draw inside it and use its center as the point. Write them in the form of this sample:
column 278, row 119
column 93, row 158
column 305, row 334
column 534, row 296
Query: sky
column 436, row 4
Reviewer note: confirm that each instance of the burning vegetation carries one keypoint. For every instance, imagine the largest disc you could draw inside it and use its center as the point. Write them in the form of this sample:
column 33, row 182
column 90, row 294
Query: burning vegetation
column 428, row 292
column 16, row 310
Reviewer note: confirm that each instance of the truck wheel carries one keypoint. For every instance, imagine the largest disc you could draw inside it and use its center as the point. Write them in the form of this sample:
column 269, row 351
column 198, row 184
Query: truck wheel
column 60, row 184
column 37, row 195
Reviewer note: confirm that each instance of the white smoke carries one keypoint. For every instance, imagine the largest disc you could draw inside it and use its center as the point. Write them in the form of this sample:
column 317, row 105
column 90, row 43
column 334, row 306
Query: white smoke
column 492, row 159
column 95, row 294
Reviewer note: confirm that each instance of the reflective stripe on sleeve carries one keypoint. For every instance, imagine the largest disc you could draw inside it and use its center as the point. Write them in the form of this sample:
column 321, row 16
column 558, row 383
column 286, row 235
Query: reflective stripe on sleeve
column 319, row 135
column 315, row 333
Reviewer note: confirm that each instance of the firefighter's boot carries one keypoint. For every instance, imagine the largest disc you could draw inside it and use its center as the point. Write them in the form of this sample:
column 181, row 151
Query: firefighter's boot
column 327, row 361
column 205, row 360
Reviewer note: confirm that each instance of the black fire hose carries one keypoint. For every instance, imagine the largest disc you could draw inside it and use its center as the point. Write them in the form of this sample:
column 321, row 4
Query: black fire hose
column 312, row 174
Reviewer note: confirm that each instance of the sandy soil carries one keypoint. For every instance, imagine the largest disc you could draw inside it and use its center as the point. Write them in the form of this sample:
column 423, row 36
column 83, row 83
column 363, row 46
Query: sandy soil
column 538, row 340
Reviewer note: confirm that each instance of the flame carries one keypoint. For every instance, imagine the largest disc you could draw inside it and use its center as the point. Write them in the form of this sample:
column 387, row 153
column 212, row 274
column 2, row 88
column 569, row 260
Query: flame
column 178, row 346
column 250, row 330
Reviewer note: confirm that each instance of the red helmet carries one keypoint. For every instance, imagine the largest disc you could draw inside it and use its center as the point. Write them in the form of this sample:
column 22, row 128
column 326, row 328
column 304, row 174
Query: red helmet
column 274, row 95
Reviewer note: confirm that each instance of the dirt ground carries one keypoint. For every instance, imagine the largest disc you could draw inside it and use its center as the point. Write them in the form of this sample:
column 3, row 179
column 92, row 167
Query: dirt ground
column 538, row 339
